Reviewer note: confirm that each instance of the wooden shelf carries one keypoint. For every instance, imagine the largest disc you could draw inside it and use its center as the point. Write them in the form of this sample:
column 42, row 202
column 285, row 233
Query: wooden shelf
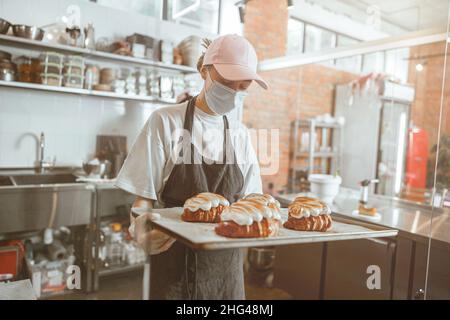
column 106, row 94
column 89, row 53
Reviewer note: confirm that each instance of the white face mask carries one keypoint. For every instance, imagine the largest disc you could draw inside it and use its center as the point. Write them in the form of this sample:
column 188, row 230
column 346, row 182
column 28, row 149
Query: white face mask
column 220, row 98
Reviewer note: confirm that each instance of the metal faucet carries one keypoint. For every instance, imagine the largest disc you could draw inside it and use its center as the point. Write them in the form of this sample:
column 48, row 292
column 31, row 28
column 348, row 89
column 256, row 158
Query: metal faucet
column 42, row 164
column 365, row 190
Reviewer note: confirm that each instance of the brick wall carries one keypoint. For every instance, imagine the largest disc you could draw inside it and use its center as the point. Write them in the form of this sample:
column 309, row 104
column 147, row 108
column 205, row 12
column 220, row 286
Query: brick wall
column 307, row 91
column 294, row 93
column 428, row 84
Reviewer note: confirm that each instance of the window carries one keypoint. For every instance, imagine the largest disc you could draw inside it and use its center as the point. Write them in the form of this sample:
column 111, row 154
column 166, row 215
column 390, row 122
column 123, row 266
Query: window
column 397, row 63
column 317, row 39
column 350, row 64
column 150, row 8
column 203, row 14
column 343, row 41
column 373, row 62
column 295, row 34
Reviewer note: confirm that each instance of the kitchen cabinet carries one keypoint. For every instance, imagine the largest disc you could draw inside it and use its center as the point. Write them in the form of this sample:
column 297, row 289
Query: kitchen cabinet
column 347, row 270
column 298, row 269
column 334, row 270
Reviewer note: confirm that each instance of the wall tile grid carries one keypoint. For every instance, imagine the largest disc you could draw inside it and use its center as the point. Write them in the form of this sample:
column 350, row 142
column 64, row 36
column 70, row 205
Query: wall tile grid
column 71, row 122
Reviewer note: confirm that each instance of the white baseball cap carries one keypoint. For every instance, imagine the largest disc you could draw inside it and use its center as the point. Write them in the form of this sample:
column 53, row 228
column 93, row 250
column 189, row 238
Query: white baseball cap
column 234, row 58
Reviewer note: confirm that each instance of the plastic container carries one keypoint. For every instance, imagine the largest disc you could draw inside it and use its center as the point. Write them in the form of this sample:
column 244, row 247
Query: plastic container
column 91, row 76
column 51, row 79
column 115, row 248
column 52, row 58
column 325, row 186
column 23, row 69
column 73, row 81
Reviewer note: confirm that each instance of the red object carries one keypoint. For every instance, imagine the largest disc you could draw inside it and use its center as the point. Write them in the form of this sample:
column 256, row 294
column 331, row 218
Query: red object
column 11, row 257
column 416, row 158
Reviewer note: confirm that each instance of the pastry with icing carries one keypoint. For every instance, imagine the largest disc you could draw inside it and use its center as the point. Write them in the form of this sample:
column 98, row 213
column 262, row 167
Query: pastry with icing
column 308, row 214
column 204, row 207
column 254, row 216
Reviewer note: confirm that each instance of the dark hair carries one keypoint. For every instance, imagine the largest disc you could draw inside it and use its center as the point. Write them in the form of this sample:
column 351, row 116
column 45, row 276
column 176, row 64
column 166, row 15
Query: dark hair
column 205, row 44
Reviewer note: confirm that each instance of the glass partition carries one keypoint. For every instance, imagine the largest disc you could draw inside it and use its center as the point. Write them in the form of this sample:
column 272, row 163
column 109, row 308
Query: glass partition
column 437, row 282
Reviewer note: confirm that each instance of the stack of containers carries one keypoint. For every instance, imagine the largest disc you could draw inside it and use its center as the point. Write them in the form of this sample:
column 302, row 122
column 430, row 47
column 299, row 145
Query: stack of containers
column 130, row 83
column 165, row 87
column 153, row 83
column 141, row 82
column 74, row 72
column 165, row 51
column 119, row 84
column 52, row 64
column 178, row 85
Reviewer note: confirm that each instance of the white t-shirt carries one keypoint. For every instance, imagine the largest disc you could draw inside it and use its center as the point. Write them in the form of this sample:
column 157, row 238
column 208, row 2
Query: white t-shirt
column 154, row 153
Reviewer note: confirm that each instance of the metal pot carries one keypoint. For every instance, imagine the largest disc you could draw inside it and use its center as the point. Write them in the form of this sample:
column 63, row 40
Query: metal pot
column 28, row 32
column 4, row 26
column 7, row 75
column 261, row 258
column 102, row 169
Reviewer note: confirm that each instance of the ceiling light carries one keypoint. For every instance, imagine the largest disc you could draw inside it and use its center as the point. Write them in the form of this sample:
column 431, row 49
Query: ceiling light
column 419, row 67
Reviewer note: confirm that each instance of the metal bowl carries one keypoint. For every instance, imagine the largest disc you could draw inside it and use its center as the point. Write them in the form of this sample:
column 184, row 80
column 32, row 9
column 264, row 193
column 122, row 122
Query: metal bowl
column 4, row 26
column 7, row 75
column 28, row 32
column 102, row 169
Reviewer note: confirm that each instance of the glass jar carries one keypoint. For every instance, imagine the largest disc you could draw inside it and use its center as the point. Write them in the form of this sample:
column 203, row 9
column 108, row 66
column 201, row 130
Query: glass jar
column 23, row 68
column 91, row 76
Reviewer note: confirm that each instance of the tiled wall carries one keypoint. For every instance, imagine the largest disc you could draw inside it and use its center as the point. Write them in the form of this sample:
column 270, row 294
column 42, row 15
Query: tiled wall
column 71, row 122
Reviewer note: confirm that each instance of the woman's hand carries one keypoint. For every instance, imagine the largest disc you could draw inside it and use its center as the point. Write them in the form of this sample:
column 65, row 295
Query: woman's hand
column 154, row 241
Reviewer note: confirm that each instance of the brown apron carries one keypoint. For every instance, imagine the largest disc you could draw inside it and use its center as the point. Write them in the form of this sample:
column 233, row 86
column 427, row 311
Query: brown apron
column 181, row 273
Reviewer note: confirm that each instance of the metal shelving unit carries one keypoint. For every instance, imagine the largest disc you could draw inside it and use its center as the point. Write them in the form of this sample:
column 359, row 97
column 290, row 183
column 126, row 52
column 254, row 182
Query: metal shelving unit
column 329, row 148
column 16, row 42
column 106, row 94
column 89, row 53
column 120, row 269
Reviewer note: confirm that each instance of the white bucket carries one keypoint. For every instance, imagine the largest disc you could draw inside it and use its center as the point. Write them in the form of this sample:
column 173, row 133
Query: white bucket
column 325, row 186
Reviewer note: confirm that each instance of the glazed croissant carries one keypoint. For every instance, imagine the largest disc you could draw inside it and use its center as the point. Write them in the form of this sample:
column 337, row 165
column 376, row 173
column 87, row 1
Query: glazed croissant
column 254, row 216
column 308, row 214
column 204, row 207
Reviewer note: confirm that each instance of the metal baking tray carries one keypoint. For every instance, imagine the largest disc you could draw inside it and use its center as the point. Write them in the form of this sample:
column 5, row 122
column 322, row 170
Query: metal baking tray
column 201, row 236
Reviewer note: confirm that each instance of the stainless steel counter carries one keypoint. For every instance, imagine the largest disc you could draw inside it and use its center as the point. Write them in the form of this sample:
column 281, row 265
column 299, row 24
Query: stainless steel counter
column 413, row 220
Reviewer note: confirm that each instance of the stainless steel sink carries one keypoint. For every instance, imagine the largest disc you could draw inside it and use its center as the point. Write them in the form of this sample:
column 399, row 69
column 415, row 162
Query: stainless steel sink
column 44, row 178
column 34, row 201
column 5, row 181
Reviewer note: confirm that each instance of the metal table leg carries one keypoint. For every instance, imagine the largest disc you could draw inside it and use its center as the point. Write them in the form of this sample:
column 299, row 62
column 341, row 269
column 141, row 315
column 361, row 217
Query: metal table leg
column 323, row 270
